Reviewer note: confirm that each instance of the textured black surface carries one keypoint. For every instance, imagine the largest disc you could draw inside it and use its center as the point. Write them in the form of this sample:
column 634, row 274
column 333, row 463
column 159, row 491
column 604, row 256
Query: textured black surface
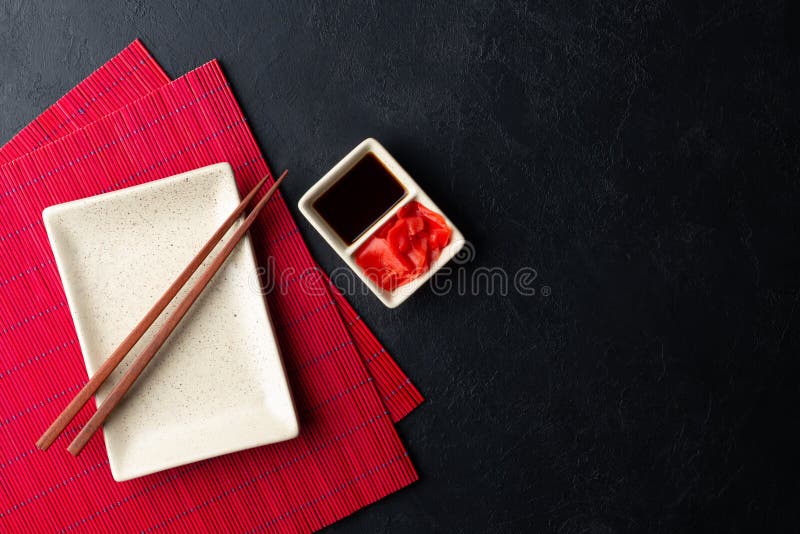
column 641, row 156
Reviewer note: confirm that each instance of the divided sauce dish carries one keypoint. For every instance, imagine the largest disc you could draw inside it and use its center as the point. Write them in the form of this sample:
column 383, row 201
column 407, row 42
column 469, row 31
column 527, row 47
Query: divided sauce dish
column 363, row 219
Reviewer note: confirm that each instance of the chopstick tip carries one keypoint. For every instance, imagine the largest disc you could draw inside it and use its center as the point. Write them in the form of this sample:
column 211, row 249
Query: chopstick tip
column 44, row 443
column 75, row 449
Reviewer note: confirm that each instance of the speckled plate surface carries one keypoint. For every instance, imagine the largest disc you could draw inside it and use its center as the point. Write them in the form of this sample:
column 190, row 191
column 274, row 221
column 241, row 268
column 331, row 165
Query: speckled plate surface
column 218, row 383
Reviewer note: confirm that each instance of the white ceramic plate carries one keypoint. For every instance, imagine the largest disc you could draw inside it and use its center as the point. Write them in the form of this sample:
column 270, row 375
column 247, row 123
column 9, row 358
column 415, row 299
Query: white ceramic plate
column 347, row 252
column 218, row 383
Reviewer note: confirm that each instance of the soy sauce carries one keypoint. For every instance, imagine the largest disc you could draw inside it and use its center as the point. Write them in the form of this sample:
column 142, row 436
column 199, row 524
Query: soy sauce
column 359, row 198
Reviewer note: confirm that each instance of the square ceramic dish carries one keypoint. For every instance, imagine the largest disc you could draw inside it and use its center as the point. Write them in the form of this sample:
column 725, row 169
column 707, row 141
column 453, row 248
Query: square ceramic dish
column 218, row 383
column 346, row 251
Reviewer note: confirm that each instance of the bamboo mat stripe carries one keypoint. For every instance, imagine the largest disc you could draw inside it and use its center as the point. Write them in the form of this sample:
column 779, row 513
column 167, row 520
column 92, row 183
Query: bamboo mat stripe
column 348, row 454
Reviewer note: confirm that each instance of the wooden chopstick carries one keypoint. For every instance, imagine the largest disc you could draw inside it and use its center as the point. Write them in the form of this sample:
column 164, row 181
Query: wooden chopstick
column 144, row 358
column 108, row 366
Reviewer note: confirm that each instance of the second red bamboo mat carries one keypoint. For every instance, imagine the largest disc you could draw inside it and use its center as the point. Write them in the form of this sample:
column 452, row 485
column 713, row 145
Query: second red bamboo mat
column 344, row 459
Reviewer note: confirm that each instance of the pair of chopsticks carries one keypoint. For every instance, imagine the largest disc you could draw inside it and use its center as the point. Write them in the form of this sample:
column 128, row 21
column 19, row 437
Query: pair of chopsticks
column 141, row 361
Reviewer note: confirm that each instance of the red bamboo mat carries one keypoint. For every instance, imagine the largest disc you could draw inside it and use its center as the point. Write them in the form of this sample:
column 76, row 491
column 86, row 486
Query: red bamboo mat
column 348, row 454
column 124, row 79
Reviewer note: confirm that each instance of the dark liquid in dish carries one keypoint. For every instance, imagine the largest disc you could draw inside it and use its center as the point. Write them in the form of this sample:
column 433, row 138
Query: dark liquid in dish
column 359, row 198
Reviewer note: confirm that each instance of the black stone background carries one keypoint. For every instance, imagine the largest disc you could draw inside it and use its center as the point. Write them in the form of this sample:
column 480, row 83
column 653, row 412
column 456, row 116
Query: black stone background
column 642, row 156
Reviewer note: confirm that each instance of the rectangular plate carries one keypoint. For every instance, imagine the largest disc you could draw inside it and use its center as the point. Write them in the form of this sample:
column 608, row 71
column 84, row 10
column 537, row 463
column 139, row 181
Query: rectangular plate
column 218, row 384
